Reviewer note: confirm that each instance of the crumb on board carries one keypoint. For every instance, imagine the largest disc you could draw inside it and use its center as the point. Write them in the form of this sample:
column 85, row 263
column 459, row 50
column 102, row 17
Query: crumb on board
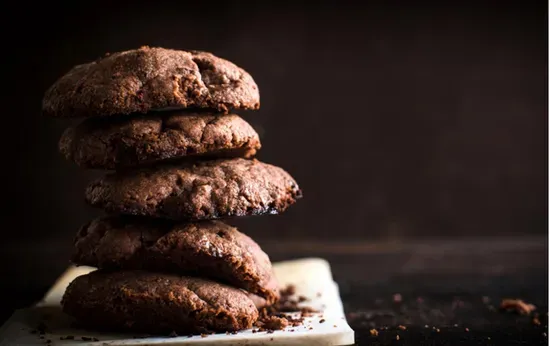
column 397, row 337
column 267, row 321
column 282, row 314
column 402, row 327
column 373, row 332
column 289, row 290
column 518, row 306
column 322, row 320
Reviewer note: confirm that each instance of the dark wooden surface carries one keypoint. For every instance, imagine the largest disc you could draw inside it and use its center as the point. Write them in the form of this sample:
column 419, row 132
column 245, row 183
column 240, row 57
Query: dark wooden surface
column 447, row 285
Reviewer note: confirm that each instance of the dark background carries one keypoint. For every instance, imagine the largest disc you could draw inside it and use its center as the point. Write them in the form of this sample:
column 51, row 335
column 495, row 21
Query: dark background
column 399, row 122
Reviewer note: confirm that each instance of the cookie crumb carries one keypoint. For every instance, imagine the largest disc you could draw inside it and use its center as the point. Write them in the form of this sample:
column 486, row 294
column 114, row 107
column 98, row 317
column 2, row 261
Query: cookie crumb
column 518, row 306
column 289, row 290
column 397, row 337
column 373, row 332
column 536, row 321
column 322, row 321
column 302, row 299
column 335, row 326
column 467, row 329
column 397, row 298
column 438, row 330
column 402, row 327
column 268, row 321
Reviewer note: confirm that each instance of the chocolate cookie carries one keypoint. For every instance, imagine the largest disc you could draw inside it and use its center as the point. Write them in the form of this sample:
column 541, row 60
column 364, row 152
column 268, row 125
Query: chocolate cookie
column 209, row 249
column 157, row 303
column 200, row 191
column 147, row 79
column 126, row 141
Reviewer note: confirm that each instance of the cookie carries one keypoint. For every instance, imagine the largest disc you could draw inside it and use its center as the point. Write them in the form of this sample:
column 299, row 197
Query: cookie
column 133, row 140
column 147, row 79
column 209, row 249
column 155, row 303
column 200, row 191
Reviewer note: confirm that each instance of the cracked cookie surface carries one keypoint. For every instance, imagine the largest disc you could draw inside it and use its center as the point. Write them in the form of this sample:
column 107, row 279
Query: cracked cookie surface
column 200, row 191
column 133, row 140
column 153, row 303
column 210, row 249
column 146, row 79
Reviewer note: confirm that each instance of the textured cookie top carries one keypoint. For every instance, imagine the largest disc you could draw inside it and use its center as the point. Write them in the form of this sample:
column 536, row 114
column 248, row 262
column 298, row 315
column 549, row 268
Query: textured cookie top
column 209, row 249
column 157, row 303
column 133, row 140
column 201, row 191
column 146, row 79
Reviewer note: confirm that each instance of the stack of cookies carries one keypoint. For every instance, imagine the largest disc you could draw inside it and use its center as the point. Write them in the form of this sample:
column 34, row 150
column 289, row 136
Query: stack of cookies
column 161, row 120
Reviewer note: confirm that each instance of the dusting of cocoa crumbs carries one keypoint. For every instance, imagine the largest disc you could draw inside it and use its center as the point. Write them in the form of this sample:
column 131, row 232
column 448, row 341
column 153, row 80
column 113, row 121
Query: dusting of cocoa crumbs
column 276, row 317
